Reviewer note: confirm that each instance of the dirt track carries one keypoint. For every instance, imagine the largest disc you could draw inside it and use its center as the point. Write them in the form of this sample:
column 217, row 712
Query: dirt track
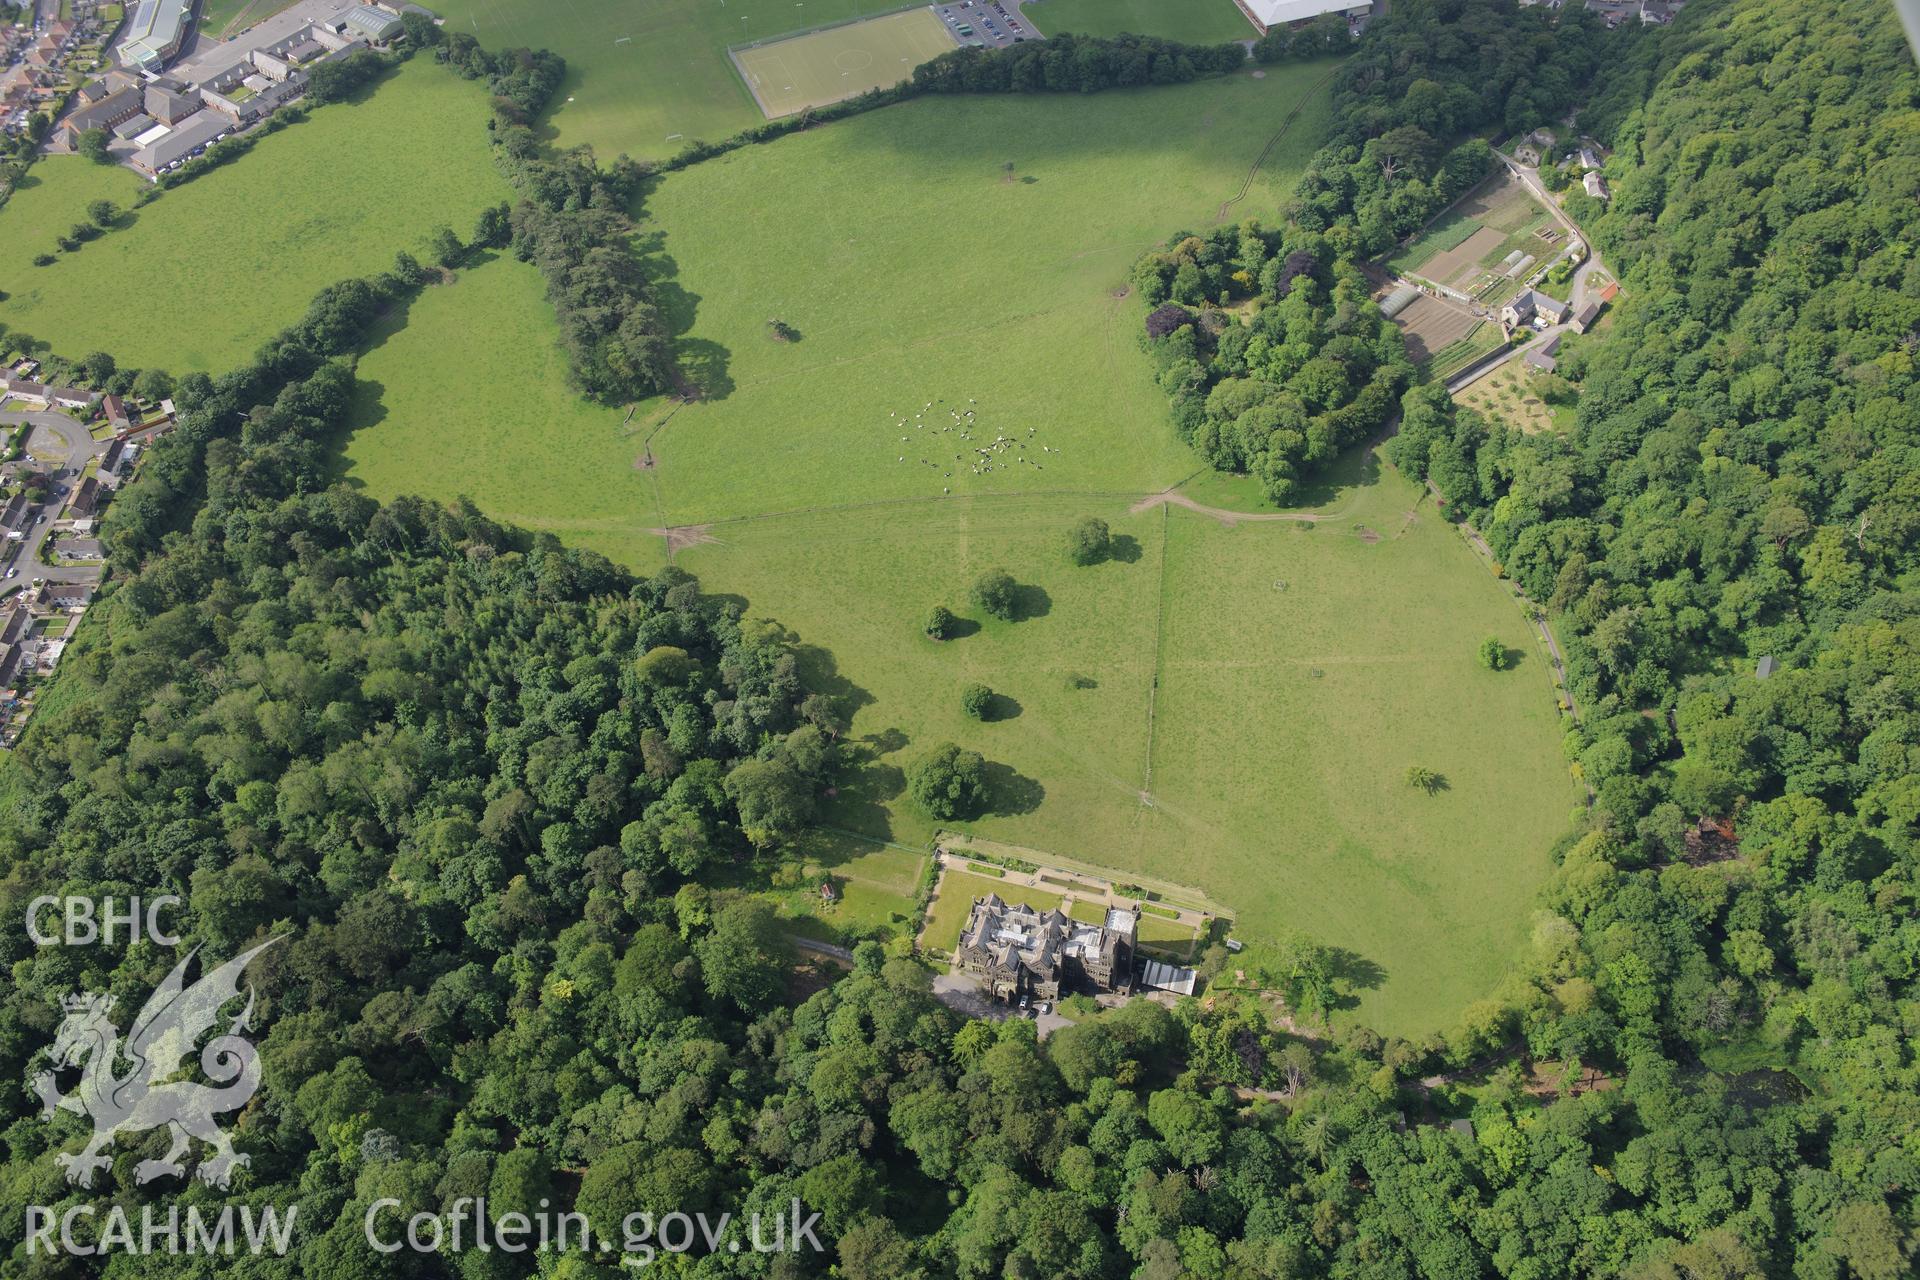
column 1228, row 518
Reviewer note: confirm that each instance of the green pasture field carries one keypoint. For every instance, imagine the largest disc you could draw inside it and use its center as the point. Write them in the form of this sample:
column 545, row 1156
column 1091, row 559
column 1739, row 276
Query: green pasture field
column 1191, row 21
column 820, row 67
column 972, row 289
column 1362, row 666
column 222, row 262
column 954, row 285
column 647, row 79
column 431, row 416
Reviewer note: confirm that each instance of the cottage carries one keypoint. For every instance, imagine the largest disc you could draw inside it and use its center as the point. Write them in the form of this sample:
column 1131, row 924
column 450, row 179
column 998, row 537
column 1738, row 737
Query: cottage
column 1543, row 357
column 1017, row 952
column 1584, row 318
column 1596, row 186
column 1531, row 303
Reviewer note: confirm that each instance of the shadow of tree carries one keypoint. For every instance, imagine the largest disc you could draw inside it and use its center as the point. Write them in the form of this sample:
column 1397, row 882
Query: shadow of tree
column 961, row 628
column 1123, row 548
column 1002, row 707
column 887, row 741
column 1011, row 793
column 1030, row 601
column 821, row 673
column 1353, row 972
column 702, row 362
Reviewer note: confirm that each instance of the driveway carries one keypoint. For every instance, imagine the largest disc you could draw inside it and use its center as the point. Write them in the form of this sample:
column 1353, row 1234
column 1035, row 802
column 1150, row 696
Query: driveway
column 964, row 996
column 1530, row 178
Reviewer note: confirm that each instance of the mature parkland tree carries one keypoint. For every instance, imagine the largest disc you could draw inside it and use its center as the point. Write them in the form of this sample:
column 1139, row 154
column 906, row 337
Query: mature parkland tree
column 949, row 782
column 994, row 593
column 1089, row 541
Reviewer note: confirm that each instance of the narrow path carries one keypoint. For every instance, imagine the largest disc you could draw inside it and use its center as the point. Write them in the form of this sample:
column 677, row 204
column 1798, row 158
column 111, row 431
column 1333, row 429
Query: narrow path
column 1274, row 141
column 1172, row 497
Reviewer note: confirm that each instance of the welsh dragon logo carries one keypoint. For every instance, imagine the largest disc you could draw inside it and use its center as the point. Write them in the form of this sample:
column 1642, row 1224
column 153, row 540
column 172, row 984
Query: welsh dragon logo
column 142, row 1096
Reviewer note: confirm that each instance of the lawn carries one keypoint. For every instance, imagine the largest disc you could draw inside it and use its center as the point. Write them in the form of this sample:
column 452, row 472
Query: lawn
column 222, row 262
column 1192, row 21
column 874, row 885
column 953, row 902
column 647, row 79
column 971, row 290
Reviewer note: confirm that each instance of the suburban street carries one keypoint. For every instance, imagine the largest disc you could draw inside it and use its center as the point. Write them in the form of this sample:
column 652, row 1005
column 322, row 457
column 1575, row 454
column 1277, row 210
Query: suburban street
column 79, row 448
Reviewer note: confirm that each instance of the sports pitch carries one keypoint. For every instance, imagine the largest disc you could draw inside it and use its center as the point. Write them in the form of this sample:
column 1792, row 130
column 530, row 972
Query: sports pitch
column 812, row 70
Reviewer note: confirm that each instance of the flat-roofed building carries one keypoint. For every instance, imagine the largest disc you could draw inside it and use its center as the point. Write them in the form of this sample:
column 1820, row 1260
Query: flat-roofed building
column 377, row 25
column 1268, row 14
column 154, row 33
column 194, row 134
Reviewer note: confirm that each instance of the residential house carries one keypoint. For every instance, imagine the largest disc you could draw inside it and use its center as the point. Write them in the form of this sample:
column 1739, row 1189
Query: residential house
column 85, row 499
column 1529, row 304
column 71, row 397
column 16, row 518
column 26, row 389
column 1595, row 185
column 75, row 596
column 80, row 549
column 1017, row 952
column 117, row 414
column 1584, row 318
